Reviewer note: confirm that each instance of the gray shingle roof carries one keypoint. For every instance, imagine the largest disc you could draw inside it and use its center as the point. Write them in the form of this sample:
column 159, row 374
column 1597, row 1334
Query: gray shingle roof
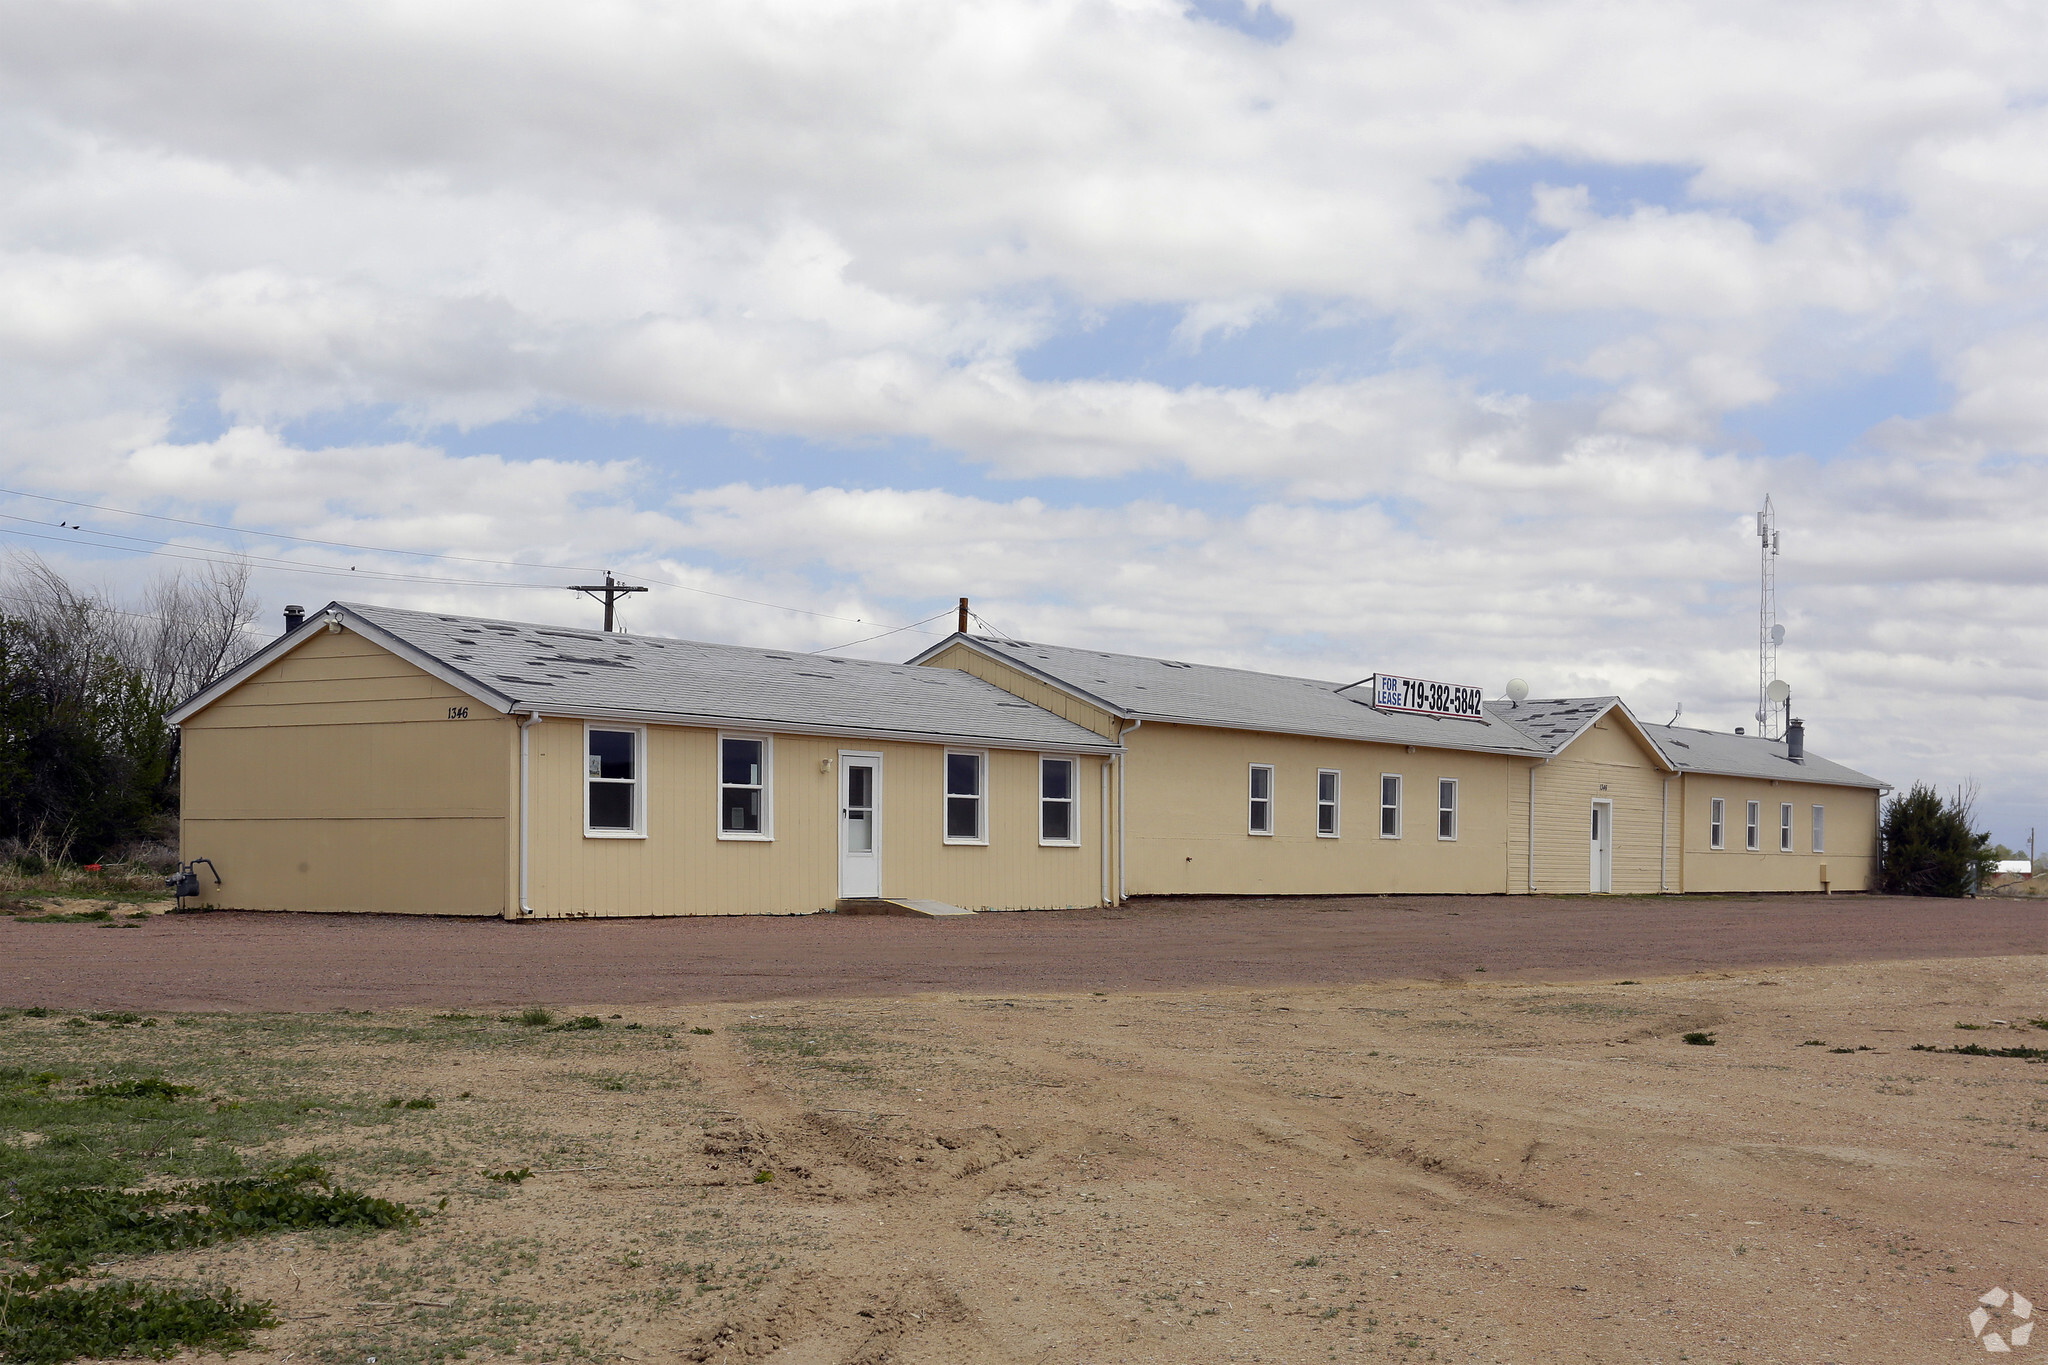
column 1137, row 687
column 1710, row 751
column 1552, row 722
column 561, row 671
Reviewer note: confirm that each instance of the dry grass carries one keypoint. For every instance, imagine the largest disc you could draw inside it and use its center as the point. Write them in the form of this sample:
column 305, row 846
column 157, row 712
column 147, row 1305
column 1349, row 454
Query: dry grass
column 1405, row 1173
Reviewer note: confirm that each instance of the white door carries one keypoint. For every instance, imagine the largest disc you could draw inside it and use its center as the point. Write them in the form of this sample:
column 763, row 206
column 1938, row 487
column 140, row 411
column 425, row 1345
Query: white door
column 860, row 825
column 1603, row 845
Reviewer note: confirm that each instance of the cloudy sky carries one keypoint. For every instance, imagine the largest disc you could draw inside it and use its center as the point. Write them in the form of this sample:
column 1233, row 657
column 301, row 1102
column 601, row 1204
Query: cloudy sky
column 1462, row 340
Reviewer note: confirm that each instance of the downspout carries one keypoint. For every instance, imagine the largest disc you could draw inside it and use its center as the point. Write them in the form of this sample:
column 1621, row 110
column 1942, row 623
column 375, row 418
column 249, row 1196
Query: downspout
column 1123, row 782
column 1105, row 831
column 1664, row 839
column 525, row 802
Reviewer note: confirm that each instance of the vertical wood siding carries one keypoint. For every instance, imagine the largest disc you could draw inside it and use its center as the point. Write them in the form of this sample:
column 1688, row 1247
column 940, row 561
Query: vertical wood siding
column 1607, row 763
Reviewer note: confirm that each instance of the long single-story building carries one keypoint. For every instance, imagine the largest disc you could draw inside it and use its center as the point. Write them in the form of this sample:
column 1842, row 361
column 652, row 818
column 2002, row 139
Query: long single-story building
column 376, row 759
column 1233, row 781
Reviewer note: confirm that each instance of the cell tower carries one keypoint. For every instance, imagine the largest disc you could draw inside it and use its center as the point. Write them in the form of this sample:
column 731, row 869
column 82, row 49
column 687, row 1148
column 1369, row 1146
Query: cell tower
column 1769, row 634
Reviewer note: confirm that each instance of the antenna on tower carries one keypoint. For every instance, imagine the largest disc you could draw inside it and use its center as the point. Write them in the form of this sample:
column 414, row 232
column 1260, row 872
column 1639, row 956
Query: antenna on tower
column 1769, row 634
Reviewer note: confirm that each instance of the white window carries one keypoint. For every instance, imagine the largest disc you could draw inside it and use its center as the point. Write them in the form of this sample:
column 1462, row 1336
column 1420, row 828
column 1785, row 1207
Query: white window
column 1390, row 805
column 1056, row 822
column 1262, row 799
column 745, row 808
column 1820, row 829
column 1755, row 839
column 1785, row 827
column 1447, row 808
column 1717, row 836
column 613, row 805
column 1329, row 787
column 966, row 797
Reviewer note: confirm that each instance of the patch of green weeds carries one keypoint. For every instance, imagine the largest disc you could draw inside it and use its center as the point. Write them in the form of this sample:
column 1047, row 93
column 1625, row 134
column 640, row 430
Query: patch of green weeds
column 70, row 917
column 63, row 1230
column 763, row 1176
column 510, row 1177
column 704, row 1031
column 422, row 1102
column 1700, row 1038
column 533, row 1016
column 1813, row 1042
column 2032, row 1054
column 579, row 1023
column 126, row 1318
column 1960, row 1024
column 2031, row 1023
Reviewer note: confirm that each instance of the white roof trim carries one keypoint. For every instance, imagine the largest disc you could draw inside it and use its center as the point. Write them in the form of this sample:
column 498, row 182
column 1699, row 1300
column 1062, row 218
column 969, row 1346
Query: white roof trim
column 1642, row 733
column 1055, row 683
column 315, row 624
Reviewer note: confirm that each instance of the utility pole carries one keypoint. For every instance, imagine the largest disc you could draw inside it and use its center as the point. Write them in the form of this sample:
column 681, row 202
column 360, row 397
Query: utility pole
column 963, row 616
column 609, row 591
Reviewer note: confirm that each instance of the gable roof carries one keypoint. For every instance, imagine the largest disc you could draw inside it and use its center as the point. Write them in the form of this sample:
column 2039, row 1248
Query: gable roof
column 1557, row 722
column 1140, row 688
column 1724, row 755
column 519, row 666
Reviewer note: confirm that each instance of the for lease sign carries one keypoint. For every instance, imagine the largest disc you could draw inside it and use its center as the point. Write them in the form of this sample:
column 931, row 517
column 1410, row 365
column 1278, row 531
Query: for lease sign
column 1425, row 698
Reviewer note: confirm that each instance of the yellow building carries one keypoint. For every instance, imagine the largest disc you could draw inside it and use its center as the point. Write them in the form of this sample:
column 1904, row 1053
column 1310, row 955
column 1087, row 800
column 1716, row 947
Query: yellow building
column 372, row 759
column 1235, row 782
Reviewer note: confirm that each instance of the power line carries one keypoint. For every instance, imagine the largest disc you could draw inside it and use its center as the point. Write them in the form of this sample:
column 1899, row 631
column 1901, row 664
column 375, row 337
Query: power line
column 864, row 639
column 379, row 549
column 139, row 615
column 303, row 540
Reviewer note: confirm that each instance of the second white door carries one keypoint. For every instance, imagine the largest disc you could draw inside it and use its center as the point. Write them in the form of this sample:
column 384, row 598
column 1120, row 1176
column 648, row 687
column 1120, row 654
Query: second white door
column 1603, row 845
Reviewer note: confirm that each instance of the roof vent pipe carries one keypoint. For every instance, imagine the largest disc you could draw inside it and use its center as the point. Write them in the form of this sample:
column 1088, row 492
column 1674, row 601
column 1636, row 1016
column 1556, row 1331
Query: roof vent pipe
column 1795, row 740
column 294, row 617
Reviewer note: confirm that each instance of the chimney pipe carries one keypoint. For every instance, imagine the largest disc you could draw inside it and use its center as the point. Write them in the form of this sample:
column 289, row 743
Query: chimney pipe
column 963, row 616
column 294, row 617
column 1795, row 740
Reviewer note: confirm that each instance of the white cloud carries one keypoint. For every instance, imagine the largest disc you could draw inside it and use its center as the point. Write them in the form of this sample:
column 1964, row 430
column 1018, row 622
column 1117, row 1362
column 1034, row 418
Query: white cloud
column 849, row 222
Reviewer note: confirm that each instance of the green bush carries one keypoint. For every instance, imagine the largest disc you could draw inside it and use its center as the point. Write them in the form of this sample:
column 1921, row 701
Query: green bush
column 1929, row 848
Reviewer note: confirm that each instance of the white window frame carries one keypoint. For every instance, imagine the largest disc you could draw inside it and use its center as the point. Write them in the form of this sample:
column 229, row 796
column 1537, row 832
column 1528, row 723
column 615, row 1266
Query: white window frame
column 1335, row 805
column 947, row 796
column 767, row 743
column 1784, row 827
column 1253, row 800
column 1451, row 810
column 639, row 782
column 1395, row 778
column 1072, row 801
column 1820, row 829
column 1753, row 831
column 1717, row 823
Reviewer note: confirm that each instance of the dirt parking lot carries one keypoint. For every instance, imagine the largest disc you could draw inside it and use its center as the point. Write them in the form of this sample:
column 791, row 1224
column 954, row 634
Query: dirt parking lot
column 1473, row 1170
column 319, row 962
column 1700, row 1131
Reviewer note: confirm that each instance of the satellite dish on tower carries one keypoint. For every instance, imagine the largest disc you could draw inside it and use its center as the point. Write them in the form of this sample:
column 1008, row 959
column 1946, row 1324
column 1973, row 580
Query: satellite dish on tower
column 1517, row 690
column 1779, row 691
column 1777, row 635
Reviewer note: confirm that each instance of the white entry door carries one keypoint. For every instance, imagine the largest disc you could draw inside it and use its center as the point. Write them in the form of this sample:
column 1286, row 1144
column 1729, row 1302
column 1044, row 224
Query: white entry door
column 860, row 825
column 1603, row 845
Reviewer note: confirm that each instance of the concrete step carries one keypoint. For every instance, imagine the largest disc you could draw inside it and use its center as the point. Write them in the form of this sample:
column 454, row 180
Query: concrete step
column 891, row 905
